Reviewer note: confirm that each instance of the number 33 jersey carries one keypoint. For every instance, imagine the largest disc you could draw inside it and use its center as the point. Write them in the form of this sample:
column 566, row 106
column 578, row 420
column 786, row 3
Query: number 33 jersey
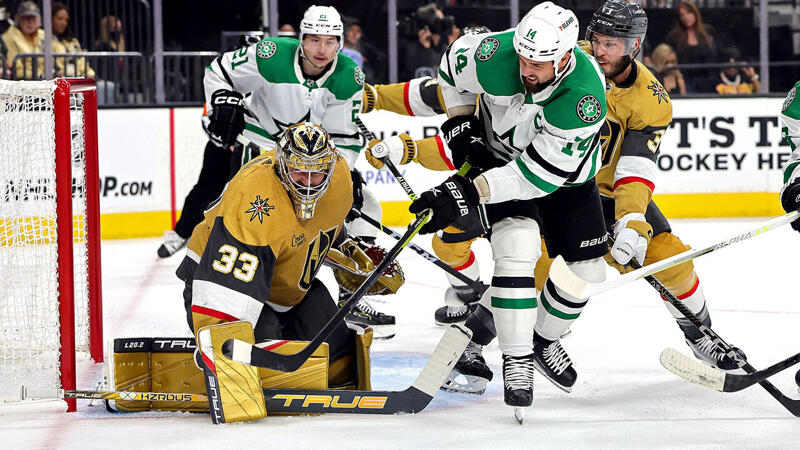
column 251, row 249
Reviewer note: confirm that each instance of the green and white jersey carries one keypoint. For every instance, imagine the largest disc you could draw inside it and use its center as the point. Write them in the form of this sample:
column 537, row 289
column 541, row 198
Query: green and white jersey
column 277, row 94
column 550, row 139
column 790, row 130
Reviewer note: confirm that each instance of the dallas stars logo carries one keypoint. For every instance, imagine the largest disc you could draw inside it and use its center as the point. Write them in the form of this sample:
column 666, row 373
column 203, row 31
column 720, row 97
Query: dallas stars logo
column 283, row 126
column 259, row 209
column 659, row 91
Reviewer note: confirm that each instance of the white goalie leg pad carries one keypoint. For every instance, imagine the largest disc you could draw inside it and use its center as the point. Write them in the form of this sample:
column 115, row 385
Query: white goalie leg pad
column 559, row 309
column 371, row 208
column 516, row 247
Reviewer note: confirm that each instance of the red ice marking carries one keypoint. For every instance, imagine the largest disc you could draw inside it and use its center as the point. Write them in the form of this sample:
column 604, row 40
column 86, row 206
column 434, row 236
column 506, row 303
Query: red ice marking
column 405, row 98
column 172, row 165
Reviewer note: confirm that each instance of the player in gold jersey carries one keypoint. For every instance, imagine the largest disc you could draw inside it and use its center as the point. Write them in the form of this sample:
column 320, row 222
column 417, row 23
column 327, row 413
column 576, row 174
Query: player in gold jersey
column 256, row 254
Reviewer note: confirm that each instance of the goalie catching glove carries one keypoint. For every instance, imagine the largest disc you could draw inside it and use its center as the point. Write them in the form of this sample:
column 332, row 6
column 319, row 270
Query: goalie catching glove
column 632, row 235
column 352, row 264
column 400, row 149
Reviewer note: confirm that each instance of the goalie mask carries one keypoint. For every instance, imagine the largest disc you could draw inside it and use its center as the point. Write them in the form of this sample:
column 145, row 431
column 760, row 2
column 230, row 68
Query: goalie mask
column 305, row 159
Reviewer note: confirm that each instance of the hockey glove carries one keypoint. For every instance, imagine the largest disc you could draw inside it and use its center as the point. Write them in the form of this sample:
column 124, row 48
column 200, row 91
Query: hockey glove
column 400, row 149
column 369, row 98
column 632, row 234
column 465, row 140
column 455, row 198
column 790, row 199
column 358, row 194
column 227, row 117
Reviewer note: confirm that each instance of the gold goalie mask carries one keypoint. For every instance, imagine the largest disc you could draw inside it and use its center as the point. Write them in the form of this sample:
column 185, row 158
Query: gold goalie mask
column 352, row 265
column 305, row 160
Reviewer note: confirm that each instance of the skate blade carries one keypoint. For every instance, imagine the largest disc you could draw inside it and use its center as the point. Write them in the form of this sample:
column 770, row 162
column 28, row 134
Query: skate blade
column 567, row 389
column 446, row 324
column 464, row 384
column 519, row 414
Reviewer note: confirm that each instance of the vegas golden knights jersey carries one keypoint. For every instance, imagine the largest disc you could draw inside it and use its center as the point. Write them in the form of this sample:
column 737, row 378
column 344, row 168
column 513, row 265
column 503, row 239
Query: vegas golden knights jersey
column 639, row 112
column 251, row 249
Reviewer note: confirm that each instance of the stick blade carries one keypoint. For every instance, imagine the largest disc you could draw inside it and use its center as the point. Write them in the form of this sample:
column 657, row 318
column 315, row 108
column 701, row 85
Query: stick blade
column 566, row 280
column 693, row 370
column 443, row 359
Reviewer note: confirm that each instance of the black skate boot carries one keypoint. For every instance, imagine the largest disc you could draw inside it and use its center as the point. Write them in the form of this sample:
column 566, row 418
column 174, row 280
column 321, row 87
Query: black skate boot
column 518, row 383
column 470, row 374
column 364, row 314
column 459, row 303
column 705, row 350
column 552, row 361
column 172, row 243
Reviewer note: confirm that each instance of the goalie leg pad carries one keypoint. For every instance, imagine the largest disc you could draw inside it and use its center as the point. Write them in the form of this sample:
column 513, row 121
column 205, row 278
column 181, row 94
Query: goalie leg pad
column 234, row 390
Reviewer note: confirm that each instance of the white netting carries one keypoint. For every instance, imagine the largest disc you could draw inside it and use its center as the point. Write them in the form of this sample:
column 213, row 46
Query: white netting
column 29, row 317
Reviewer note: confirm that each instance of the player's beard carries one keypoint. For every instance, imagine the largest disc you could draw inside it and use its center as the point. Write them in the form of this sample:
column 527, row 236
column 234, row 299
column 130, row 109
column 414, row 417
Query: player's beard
column 617, row 67
column 535, row 88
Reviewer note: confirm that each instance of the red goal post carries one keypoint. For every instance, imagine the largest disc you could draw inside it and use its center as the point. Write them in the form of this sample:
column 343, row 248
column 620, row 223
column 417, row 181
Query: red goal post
column 49, row 232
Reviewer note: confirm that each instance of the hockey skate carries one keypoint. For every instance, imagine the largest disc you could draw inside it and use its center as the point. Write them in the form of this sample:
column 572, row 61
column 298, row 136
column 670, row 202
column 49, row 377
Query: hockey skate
column 552, row 361
column 518, row 383
column 470, row 374
column 705, row 350
column 172, row 243
column 459, row 303
column 364, row 314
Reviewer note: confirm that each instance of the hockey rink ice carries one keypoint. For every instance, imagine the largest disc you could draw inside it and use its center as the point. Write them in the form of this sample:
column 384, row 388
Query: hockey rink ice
column 623, row 397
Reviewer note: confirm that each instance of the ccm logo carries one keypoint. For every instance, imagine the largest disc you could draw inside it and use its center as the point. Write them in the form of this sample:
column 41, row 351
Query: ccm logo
column 595, row 241
column 227, row 101
column 456, row 131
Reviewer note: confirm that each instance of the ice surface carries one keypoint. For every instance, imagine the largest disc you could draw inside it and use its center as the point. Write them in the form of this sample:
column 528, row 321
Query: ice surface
column 623, row 397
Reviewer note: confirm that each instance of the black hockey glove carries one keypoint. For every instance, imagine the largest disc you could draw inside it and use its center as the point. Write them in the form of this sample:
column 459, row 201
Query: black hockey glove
column 227, row 117
column 358, row 195
column 455, row 198
column 465, row 139
column 790, row 199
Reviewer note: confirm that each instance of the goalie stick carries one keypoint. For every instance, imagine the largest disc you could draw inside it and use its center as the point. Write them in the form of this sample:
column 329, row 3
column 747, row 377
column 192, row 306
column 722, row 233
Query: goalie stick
column 793, row 406
column 245, row 353
column 695, row 371
column 563, row 277
column 315, row 401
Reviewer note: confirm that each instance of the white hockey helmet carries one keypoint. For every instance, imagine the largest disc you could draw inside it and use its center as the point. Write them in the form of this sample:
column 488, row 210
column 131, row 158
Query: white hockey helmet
column 324, row 20
column 546, row 33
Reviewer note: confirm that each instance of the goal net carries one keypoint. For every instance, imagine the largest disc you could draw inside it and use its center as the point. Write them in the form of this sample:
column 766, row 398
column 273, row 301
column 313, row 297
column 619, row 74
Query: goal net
column 49, row 242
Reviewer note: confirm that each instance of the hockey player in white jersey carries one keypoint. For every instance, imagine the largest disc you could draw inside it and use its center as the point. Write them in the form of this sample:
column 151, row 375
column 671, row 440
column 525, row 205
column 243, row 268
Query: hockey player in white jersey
column 790, row 130
column 542, row 104
column 262, row 89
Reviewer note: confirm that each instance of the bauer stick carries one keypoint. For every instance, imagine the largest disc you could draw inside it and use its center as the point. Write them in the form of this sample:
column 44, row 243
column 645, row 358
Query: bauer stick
column 572, row 284
column 245, row 353
column 695, row 371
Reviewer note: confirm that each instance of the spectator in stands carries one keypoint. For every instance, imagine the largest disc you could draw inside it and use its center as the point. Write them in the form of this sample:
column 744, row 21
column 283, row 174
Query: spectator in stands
column 111, row 38
column 351, row 45
column 26, row 36
column 425, row 40
column 64, row 41
column 731, row 76
column 664, row 60
column 287, row 30
column 693, row 42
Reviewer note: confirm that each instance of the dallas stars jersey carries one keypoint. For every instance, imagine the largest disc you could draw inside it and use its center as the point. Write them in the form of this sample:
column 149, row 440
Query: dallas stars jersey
column 251, row 249
column 790, row 130
column 639, row 112
column 280, row 96
column 550, row 138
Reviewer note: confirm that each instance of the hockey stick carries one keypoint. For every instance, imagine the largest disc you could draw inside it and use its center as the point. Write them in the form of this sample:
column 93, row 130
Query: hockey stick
column 566, row 280
column 793, row 406
column 399, row 176
column 711, row 377
column 314, row 401
column 245, row 353
column 420, row 251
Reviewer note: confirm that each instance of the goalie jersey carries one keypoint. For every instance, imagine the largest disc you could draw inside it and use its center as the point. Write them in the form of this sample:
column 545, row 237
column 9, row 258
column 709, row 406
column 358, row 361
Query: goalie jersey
column 790, row 130
column 549, row 139
column 251, row 250
column 277, row 94
column 639, row 112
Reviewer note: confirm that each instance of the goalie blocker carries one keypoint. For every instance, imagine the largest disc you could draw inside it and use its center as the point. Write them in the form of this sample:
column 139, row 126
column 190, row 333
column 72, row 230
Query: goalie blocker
column 168, row 365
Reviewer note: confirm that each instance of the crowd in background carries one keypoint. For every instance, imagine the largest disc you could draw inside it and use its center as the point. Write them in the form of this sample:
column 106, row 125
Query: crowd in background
column 681, row 60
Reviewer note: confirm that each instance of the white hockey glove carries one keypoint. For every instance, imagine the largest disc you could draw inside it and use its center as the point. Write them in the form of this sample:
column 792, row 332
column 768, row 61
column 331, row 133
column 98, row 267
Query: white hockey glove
column 632, row 234
column 400, row 149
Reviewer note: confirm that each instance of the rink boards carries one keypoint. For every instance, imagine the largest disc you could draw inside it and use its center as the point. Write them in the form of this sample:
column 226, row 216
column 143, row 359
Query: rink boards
column 720, row 158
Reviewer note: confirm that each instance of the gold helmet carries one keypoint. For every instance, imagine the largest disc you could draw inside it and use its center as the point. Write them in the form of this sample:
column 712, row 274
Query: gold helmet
column 305, row 160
